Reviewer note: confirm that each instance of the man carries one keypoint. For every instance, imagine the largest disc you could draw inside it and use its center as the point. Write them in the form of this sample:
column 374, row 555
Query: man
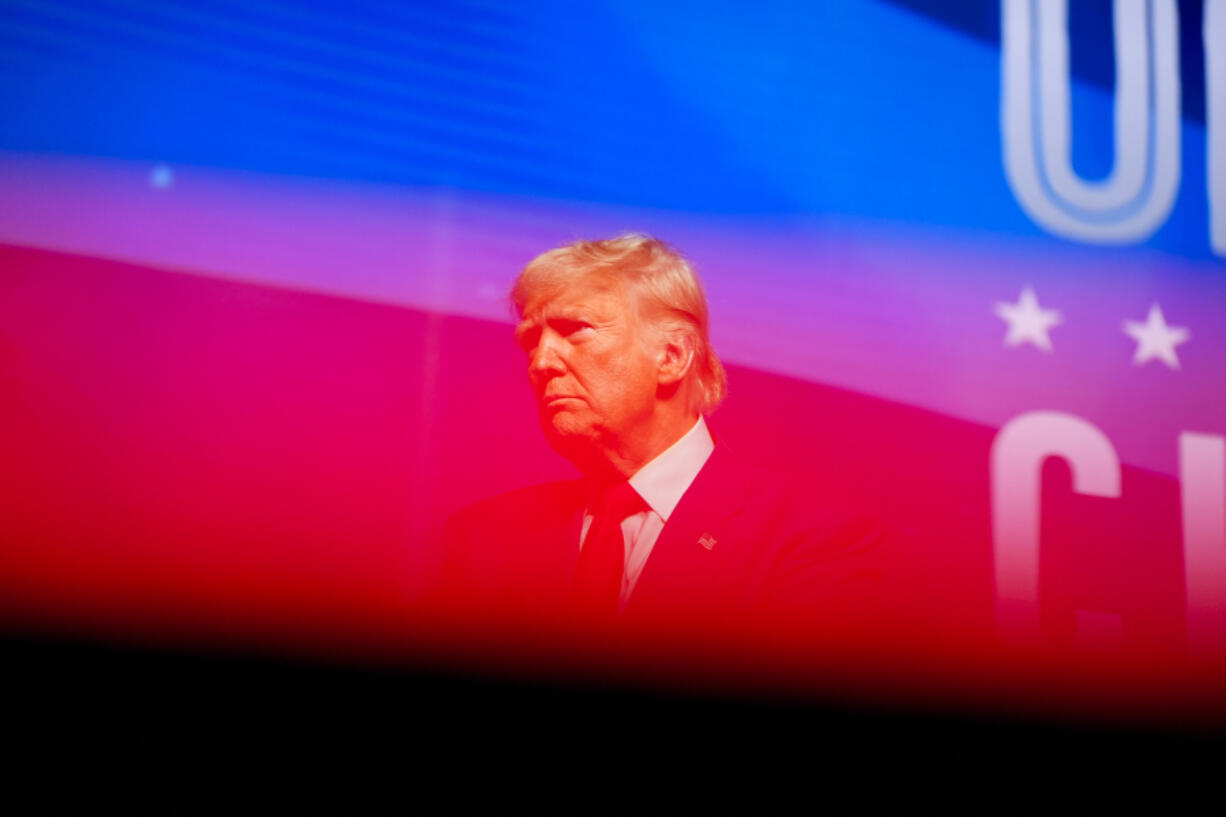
column 668, row 528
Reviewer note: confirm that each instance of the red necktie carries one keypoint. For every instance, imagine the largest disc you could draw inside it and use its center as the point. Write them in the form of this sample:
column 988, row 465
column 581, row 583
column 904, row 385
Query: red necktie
column 602, row 560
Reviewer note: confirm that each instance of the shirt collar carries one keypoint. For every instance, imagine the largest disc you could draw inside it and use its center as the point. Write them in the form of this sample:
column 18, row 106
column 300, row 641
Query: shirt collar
column 663, row 481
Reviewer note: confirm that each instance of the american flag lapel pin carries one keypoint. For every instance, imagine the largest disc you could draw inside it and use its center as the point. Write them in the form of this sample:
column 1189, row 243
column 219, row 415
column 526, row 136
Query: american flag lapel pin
column 707, row 541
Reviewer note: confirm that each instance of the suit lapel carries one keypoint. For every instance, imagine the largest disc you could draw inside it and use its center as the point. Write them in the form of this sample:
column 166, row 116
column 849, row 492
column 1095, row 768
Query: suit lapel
column 689, row 553
column 561, row 535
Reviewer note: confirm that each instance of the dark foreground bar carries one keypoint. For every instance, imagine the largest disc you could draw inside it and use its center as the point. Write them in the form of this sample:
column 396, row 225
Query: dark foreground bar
column 74, row 692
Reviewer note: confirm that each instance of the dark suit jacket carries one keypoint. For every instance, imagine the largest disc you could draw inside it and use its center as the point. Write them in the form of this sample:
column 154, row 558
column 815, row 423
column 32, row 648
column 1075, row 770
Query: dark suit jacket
column 745, row 548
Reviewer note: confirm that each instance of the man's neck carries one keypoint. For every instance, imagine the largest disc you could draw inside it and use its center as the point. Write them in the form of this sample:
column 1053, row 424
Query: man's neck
column 626, row 460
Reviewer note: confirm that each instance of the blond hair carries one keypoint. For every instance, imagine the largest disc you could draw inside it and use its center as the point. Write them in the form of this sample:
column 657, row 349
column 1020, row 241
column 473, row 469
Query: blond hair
column 665, row 285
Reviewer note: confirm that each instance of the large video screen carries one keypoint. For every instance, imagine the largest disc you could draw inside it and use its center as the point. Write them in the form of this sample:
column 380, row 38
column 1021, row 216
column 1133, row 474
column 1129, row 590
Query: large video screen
column 963, row 261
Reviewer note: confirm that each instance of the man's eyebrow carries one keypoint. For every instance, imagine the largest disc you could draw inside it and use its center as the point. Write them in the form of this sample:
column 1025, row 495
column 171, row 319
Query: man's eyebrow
column 579, row 313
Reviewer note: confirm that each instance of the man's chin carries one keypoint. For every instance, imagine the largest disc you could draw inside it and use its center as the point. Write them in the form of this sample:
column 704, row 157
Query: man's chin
column 577, row 442
column 561, row 432
column 567, row 434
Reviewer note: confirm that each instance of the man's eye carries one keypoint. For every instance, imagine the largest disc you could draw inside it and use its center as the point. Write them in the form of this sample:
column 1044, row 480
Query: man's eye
column 571, row 328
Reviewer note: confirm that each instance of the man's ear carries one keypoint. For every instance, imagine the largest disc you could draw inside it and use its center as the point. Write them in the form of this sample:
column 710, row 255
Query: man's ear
column 676, row 357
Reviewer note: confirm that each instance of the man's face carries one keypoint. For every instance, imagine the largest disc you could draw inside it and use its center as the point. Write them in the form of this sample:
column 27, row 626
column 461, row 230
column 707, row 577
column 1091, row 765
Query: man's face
column 593, row 375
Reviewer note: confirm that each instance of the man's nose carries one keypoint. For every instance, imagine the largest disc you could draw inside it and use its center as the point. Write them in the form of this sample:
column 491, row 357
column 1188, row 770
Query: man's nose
column 545, row 358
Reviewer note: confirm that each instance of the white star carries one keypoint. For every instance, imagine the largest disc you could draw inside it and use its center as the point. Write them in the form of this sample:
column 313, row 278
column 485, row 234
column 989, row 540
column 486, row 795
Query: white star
column 1155, row 339
column 1028, row 321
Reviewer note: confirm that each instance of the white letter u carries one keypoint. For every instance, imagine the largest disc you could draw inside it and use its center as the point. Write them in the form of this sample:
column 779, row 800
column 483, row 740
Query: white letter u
column 1036, row 131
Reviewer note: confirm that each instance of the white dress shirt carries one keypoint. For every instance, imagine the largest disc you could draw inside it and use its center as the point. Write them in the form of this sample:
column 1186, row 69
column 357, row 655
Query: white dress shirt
column 661, row 483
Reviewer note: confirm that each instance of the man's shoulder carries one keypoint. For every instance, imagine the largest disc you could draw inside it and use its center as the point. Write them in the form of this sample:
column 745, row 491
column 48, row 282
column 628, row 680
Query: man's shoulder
column 506, row 557
column 789, row 501
column 769, row 486
column 523, row 505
